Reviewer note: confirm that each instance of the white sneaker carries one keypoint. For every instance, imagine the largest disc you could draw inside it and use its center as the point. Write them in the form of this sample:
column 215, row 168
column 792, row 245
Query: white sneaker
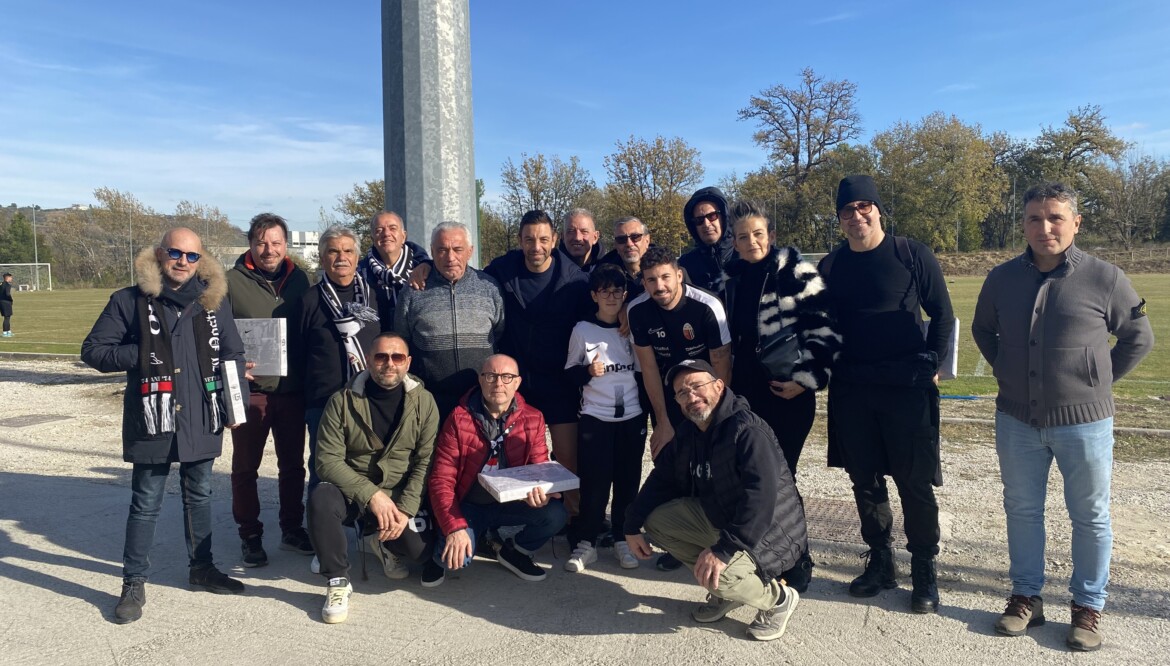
column 621, row 551
column 336, row 607
column 315, row 565
column 394, row 568
column 583, row 555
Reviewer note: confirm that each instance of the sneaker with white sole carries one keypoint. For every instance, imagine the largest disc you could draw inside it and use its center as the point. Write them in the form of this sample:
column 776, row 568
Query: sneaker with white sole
column 514, row 560
column 336, row 608
column 770, row 624
column 394, row 568
column 583, row 555
column 625, row 557
column 714, row 609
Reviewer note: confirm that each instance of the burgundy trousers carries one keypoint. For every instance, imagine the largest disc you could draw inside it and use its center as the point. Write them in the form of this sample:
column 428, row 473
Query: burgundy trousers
column 282, row 414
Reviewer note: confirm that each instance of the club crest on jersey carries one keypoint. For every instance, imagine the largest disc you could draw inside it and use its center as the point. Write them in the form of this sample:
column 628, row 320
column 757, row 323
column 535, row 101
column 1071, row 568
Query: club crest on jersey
column 688, row 332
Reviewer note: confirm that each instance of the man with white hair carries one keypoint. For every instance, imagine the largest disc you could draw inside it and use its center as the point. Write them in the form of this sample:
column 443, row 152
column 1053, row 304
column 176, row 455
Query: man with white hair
column 453, row 324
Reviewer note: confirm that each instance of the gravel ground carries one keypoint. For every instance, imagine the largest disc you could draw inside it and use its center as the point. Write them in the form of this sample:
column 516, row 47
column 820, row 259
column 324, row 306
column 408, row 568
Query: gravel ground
column 63, row 495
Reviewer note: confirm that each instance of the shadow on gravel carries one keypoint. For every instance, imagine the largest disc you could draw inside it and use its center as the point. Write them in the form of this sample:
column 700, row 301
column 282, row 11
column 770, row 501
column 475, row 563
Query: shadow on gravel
column 84, row 375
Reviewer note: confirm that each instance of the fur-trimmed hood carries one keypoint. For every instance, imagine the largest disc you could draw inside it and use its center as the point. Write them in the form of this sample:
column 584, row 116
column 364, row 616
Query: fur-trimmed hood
column 209, row 271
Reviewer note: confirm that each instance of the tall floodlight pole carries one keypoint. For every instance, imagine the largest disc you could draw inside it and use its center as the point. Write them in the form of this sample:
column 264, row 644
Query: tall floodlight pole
column 36, row 254
column 131, row 247
column 427, row 123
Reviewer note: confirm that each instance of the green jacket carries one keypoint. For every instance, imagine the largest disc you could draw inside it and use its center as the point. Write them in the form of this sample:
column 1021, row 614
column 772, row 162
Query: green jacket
column 351, row 457
column 252, row 297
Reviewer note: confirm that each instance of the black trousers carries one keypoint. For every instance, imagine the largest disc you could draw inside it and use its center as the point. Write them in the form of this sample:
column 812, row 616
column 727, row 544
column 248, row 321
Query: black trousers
column 608, row 454
column 790, row 420
column 890, row 430
column 329, row 511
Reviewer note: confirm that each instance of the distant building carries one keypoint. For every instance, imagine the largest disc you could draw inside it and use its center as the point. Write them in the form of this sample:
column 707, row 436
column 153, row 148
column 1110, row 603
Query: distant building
column 304, row 245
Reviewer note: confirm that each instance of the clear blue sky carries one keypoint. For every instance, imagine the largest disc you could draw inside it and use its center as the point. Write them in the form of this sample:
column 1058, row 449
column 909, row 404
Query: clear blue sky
column 253, row 106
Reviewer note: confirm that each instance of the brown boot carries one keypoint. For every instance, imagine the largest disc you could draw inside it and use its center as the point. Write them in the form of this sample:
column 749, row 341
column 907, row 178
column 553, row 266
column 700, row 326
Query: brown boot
column 1022, row 613
column 1085, row 633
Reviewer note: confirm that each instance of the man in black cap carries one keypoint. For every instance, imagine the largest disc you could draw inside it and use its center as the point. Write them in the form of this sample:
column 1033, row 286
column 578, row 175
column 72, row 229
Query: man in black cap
column 722, row 501
column 706, row 218
column 883, row 399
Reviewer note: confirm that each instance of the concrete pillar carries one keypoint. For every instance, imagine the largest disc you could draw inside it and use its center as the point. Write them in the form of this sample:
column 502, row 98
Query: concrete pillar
column 426, row 97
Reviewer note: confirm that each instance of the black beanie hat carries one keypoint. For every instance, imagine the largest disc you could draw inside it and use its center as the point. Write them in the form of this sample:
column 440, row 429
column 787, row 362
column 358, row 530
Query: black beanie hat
column 857, row 188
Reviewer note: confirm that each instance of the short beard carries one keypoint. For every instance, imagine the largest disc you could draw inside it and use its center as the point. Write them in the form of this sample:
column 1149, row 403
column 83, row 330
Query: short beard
column 395, row 382
column 702, row 417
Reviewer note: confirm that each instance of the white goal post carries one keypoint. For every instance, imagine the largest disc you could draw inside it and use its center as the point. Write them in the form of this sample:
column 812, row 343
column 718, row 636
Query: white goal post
column 30, row 277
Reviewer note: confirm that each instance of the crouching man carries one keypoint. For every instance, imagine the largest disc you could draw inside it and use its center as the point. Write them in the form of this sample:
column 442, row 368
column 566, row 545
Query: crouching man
column 373, row 450
column 721, row 500
column 492, row 428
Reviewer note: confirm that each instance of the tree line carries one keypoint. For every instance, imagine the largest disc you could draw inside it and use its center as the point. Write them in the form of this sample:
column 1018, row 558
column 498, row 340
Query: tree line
column 948, row 183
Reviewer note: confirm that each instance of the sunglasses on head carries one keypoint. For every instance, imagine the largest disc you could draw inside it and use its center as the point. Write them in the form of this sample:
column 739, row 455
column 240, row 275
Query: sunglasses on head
column 632, row 238
column 713, row 216
column 175, row 253
column 397, row 357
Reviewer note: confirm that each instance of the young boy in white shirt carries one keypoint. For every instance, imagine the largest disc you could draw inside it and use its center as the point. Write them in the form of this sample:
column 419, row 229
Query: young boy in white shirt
column 611, row 435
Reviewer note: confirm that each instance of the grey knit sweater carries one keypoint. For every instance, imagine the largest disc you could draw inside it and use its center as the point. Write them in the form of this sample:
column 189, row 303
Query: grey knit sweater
column 1048, row 338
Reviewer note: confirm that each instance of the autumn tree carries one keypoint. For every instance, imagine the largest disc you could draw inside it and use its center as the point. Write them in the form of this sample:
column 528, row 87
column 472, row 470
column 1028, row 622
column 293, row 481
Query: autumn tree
column 357, row 207
column 939, row 180
column 800, row 127
column 540, row 182
column 1134, row 197
column 652, row 180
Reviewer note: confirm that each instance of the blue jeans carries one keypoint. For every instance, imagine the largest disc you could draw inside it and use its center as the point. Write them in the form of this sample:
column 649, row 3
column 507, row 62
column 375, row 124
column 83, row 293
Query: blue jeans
column 313, row 421
column 1084, row 456
column 148, row 485
column 540, row 525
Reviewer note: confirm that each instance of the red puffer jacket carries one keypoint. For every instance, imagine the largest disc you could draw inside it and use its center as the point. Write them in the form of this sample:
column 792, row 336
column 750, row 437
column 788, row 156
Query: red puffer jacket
column 461, row 451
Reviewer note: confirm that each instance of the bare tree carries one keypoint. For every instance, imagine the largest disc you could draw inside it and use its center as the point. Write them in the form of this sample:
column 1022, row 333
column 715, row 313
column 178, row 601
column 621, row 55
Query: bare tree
column 539, row 182
column 651, row 180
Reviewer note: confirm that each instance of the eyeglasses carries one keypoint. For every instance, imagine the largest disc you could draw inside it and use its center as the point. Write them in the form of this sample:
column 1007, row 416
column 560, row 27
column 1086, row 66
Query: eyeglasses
column 397, row 357
column 611, row 293
column 686, row 391
column 176, row 254
column 493, row 377
column 713, row 216
column 632, row 238
column 863, row 208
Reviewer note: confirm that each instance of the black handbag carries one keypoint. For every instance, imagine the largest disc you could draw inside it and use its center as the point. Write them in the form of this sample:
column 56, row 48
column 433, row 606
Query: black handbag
column 780, row 353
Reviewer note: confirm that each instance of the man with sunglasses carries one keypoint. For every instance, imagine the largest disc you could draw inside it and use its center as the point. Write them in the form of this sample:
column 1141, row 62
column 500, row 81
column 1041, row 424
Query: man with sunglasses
column 170, row 334
column 631, row 239
column 373, row 451
column 705, row 216
column 883, row 398
column 492, row 428
column 266, row 284
column 721, row 499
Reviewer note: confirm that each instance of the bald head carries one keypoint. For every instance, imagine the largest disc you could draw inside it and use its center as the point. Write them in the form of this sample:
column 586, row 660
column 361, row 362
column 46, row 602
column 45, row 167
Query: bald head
column 186, row 244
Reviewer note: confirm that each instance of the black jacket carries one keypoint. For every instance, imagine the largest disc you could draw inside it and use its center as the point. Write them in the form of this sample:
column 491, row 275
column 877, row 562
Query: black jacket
column 591, row 259
column 750, row 498
column 112, row 346
column 539, row 339
column 318, row 347
column 705, row 263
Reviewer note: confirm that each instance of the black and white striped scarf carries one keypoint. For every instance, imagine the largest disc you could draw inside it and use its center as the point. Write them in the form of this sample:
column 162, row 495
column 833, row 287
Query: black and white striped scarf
column 389, row 278
column 349, row 319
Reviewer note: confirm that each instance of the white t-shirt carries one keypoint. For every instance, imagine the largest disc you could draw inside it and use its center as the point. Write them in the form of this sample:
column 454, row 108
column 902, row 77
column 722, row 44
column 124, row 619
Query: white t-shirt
column 614, row 395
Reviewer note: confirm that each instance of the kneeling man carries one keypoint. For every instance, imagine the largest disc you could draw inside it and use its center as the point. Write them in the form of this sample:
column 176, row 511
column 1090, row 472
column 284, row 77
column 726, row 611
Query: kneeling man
column 721, row 499
column 492, row 428
column 373, row 450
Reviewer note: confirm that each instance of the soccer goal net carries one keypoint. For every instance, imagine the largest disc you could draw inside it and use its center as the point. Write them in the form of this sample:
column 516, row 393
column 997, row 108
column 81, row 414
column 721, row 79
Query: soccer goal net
column 29, row 277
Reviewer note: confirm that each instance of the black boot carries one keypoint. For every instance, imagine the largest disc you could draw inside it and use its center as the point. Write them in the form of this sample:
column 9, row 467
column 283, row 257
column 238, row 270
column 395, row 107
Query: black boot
column 924, row 598
column 878, row 575
column 800, row 575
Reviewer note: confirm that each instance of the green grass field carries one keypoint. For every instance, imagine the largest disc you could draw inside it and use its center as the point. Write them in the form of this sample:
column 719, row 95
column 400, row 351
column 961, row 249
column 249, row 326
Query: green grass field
column 57, row 322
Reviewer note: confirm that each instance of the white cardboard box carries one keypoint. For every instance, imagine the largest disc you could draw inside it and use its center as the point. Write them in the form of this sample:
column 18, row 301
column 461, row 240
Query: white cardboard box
column 233, row 395
column 514, row 483
column 266, row 345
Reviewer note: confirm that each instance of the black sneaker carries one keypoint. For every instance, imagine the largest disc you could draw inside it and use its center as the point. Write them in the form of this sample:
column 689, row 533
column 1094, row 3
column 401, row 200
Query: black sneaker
column 253, row 551
column 297, row 541
column 130, row 605
column 667, row 562
column 432, row 574
column 519, row 563
column 213, row 580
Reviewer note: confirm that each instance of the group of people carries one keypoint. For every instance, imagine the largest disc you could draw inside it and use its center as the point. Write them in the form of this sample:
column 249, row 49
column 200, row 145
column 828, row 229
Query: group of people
column 415, row 372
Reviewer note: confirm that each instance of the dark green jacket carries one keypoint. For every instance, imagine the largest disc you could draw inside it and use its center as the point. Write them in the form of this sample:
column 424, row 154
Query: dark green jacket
column 352, row 457
column 252, row 297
